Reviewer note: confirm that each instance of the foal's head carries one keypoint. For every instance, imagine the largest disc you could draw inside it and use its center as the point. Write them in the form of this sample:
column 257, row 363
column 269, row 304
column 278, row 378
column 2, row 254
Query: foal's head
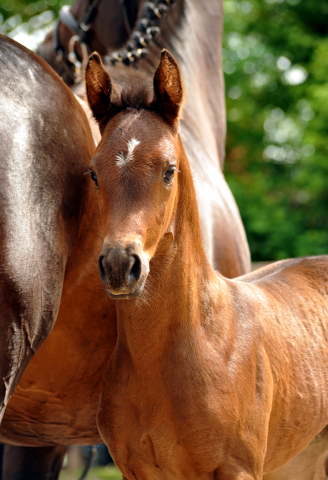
column 135, row 170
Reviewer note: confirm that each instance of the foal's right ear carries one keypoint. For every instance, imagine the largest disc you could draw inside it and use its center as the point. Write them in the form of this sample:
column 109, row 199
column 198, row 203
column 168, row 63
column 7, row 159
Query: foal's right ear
column 168, row 89
column 101, row 94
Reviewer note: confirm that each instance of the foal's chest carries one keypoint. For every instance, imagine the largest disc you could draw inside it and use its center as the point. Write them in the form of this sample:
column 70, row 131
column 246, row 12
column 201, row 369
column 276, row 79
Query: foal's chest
column 177, row 423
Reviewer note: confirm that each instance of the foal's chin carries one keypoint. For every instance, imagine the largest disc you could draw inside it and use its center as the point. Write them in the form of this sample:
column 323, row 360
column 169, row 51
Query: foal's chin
column 124, row 295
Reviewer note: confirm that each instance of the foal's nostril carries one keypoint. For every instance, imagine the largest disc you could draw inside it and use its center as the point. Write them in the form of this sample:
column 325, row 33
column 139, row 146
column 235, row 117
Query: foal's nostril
column 121, row 269
column 103, row 275
column 135, row 270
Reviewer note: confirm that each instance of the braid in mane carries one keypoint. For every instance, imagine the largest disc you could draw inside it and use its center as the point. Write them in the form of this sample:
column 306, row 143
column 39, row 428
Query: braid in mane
column 146, row 30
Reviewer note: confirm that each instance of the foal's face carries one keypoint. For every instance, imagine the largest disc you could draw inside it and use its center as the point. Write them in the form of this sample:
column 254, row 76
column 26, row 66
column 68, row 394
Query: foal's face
column 135, row 172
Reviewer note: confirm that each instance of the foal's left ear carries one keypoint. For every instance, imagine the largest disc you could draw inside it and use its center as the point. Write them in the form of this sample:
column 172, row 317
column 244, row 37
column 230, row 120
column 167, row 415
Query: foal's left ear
column 168, row 90
column 101, row 93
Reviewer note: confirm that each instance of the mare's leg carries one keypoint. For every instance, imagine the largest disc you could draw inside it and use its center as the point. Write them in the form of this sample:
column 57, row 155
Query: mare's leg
column 2, row 447
column 37, row 463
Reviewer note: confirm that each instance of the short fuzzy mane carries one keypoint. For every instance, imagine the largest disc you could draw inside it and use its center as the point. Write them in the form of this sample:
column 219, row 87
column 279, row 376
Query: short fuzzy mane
column 138, row 94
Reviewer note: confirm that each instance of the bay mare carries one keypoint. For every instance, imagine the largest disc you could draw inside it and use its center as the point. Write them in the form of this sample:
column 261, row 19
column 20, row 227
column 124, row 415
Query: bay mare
column 210, row 378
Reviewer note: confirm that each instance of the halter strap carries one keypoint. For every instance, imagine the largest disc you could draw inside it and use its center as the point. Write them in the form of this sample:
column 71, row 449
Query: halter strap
column 89, row 16
column 68, row 20
column 147, row 29
column 79, row 31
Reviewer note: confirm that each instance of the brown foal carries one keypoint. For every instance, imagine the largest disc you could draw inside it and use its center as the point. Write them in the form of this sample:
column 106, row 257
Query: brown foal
column 210, row 378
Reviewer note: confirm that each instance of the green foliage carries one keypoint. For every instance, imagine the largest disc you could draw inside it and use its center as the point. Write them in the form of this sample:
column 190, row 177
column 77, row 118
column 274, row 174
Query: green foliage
column 28, row 21
column 276, row 70
column 95, row 473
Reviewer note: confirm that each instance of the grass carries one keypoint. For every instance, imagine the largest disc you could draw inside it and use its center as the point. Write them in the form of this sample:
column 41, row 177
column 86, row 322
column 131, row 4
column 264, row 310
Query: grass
column 96, row 473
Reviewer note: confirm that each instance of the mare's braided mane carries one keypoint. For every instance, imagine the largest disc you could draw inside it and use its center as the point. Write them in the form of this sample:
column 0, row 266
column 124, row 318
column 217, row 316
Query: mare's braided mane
column 147, row 28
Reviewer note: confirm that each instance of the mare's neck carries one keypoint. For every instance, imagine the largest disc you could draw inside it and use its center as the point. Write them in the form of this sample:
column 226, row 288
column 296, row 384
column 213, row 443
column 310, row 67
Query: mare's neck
column 192, row 32
column 180, row 284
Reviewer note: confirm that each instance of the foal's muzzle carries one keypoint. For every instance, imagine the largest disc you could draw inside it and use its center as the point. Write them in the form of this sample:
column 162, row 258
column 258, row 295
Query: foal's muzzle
column 124, row 270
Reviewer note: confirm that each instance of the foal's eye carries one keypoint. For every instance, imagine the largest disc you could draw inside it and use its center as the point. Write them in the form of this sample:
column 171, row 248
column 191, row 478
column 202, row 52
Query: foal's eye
column 168, row 175
column 94, row 177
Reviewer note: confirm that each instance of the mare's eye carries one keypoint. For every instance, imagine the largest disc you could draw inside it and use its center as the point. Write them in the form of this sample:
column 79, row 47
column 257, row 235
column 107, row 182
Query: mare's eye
column 168, row 175
column 94, row 177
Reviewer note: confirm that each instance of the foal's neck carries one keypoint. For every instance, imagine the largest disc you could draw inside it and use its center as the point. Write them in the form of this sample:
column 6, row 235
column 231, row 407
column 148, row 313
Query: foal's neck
column 180, row 278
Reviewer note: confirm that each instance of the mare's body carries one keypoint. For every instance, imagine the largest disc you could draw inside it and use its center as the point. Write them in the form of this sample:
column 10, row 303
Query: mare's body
column 210, row 378
column 48, row 221
column 42, row 150
column 45, row 149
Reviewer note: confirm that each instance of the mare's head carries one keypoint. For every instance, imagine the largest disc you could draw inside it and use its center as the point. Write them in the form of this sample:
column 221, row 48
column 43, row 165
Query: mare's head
column 135, row 170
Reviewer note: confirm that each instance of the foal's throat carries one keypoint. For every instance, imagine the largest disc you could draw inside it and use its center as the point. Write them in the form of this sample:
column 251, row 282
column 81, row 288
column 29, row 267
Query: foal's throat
column 180, row 278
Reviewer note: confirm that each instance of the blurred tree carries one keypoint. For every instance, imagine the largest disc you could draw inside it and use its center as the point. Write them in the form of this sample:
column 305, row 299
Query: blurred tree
column 276, row 68
column 28, row 21
column 276, row 73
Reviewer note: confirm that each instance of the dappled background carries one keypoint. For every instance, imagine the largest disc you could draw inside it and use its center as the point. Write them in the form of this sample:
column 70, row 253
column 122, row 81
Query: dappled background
column 275, row 60
column 276, row 72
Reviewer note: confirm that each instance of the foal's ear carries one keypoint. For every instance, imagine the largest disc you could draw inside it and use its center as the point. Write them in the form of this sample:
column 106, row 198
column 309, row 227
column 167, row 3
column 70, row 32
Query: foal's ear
column 101, row 93
column 168, row 89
